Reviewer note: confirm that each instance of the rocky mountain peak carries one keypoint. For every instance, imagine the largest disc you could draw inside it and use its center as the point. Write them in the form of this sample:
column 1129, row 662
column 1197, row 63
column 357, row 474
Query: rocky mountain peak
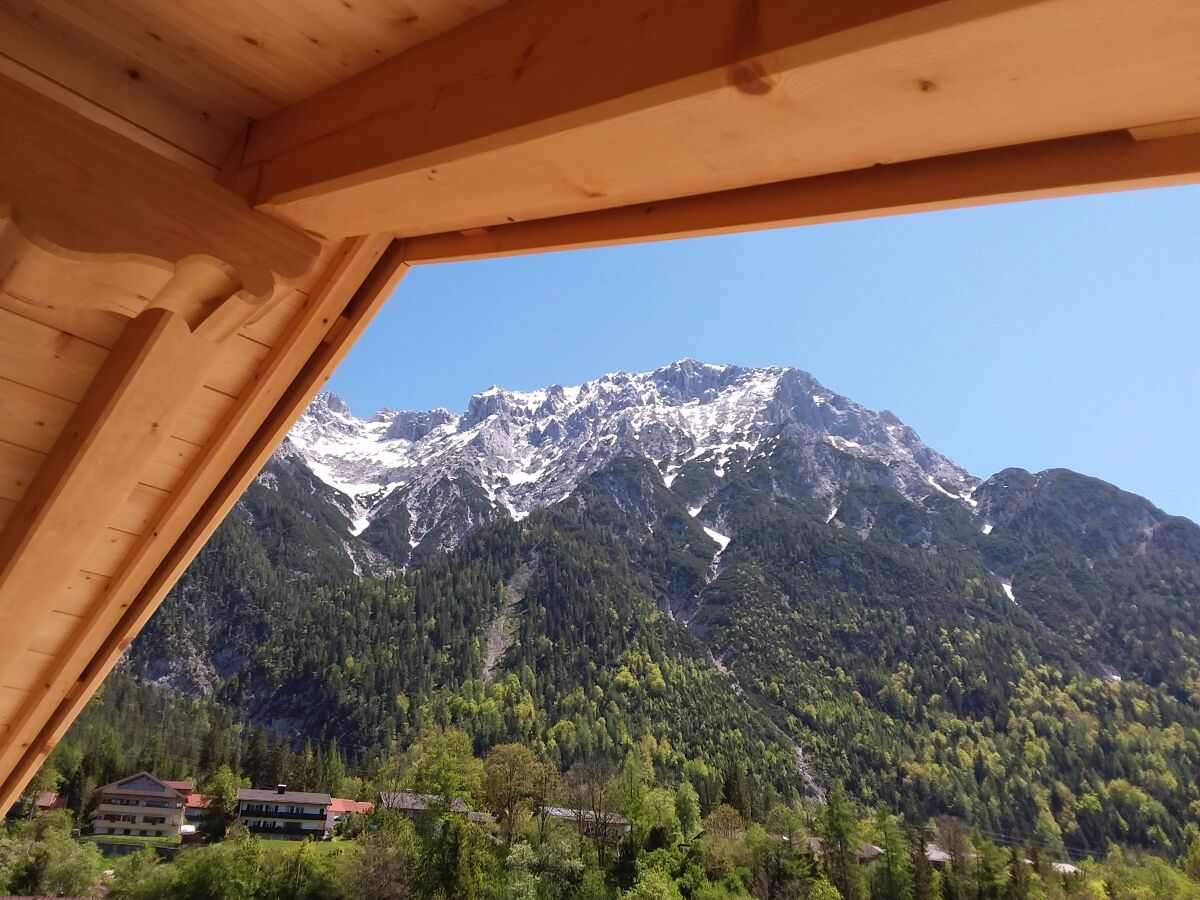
column 512, row 452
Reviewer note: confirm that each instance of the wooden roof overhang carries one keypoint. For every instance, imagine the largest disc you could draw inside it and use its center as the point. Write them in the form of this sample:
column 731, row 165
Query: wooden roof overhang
column 202, row 204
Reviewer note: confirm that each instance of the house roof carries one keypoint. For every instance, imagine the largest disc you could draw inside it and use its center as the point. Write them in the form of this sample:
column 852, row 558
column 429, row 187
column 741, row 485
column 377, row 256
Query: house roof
column 411, row 801
column 253, row 795
column 341, row 806
column 185, row 787
column 936, row 854
column 865, row 852
column 197, row 801
column 567, row 812
column 142, row 783
column 49, row 800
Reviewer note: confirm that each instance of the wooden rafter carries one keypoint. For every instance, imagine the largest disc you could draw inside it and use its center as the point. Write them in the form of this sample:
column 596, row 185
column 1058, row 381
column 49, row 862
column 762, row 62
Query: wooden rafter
column 1091, row 163
column 541, row 109
column 91, row 471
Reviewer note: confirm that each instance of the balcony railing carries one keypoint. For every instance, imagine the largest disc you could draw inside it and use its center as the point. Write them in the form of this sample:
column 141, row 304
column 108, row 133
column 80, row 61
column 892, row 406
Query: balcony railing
column 252, row 811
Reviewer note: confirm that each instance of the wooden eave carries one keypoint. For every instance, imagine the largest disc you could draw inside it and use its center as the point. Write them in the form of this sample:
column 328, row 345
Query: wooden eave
column 203, row 204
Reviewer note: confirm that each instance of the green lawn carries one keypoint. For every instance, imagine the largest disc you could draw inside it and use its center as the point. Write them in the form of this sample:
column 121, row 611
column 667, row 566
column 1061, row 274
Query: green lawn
column 131, row 839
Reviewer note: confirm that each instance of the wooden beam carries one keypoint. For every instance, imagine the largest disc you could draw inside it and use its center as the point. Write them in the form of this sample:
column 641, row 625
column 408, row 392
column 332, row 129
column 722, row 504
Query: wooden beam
column 81, row 186
column 1080, row 165
column 357, row 284
column 92, row 469
column 541, row 108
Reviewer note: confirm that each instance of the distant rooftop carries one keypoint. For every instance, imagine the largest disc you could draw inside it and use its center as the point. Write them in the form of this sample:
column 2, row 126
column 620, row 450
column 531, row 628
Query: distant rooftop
column 275, row 796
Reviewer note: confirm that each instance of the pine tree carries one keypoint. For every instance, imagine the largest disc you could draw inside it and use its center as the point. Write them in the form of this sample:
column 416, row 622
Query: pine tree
column 332, row 771
column 1020, row 878
column 737, row 790
column 840, row 844
column 894, row 870
column 924, row 882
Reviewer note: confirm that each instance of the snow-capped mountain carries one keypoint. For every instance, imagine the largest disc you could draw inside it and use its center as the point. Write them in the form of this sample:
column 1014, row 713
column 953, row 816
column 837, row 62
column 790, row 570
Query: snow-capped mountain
column 439, row 474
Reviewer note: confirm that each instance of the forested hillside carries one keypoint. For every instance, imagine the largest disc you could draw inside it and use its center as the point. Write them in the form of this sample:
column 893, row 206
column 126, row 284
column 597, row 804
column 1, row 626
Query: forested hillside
column 773, row 617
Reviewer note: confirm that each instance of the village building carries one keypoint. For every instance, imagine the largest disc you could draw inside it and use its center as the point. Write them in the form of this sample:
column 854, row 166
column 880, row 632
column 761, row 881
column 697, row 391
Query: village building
column 48, row 801
column 194, row 807
column 418, row 806
column 340, row 807
column 284, row 814
column 594, row 823
column 139, row 806
column 864, row 854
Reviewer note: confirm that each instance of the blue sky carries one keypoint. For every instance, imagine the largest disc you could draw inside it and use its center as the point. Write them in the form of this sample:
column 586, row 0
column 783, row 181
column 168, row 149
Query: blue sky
column 1051, row 333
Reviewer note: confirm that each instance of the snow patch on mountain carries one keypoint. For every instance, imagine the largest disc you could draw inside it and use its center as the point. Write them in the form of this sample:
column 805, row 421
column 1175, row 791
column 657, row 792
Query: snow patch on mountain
column 511, row 452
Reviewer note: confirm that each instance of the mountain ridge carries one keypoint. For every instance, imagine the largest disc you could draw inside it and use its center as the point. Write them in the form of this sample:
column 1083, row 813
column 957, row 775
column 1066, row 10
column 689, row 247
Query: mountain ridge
column 527, row 449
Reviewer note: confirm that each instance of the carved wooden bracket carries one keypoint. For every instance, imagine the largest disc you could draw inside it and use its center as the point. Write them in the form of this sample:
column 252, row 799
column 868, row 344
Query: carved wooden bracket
column 206, row 292
column 87, row 192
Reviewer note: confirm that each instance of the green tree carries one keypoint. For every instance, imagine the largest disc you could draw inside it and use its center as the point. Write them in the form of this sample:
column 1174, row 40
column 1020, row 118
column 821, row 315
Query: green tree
column 737, row 789
column 840, row 843
column 220, row 792
column 687, row 809
column 389, row 865
column 69, row 868
column 924, row 882
column 520, row 881
column 332, row 776
column 510, row 780
column 1191, row 860
column 988, row 866
column 652, row 885
column 823, row 890
column 894, row 870
column 1020, row 879
column 448, row 769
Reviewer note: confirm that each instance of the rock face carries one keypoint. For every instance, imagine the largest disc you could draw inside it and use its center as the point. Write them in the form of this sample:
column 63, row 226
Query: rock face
column 429, row 478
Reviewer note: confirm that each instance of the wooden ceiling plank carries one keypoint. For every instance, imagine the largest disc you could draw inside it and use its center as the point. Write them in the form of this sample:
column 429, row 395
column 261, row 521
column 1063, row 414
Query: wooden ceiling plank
column 107, row 553
column 150, row 34
column 90, row 471
column 267, row 328
column 116, row 83
column 11, row 699
column 97, row 326
column 278, row 55
column 18, row 465
column 236, row 368
column 299, row 365
column 68, row 177
column 170, row 463
column 206, row 409
column 139, row 513
column 45, row 358
column 32, row 419
column 1103, row 162
column 80, row 593
column 53, row 631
